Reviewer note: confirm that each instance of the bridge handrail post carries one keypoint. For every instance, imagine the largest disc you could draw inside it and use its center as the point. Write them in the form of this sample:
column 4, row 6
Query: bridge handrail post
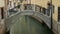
column 34, row 7
column 22, row 7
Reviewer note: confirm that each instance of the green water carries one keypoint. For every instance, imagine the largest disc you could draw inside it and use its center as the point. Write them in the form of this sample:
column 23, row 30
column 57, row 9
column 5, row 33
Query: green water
column 29, row 25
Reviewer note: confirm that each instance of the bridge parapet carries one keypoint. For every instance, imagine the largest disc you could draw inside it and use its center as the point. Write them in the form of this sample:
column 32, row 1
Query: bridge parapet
column 28, row 11
column 15, row 17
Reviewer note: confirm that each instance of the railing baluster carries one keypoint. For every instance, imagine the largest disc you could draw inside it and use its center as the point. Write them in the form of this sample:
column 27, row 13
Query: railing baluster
column 14, row 18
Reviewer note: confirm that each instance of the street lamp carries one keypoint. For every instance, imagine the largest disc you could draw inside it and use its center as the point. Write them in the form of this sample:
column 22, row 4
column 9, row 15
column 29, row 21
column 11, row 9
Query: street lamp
column 51, row 17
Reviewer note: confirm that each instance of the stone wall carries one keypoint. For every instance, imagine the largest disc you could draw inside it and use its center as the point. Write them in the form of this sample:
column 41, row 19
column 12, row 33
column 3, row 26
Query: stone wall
column 2, row 27
column 1, row 3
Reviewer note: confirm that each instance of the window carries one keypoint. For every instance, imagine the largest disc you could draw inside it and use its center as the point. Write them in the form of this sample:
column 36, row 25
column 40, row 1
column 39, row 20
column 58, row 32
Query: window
column 7, row 2
column 2, row 13
column 58, row 13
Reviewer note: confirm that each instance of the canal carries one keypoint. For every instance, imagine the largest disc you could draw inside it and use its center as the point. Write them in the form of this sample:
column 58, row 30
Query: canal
column 29, row 25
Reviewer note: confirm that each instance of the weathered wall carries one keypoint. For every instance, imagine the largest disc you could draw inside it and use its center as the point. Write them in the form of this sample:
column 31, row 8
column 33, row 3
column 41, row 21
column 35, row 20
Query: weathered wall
column 0, row 13
column 1, row 3
column 42, row 3
column 56, row 4
column 2, row 27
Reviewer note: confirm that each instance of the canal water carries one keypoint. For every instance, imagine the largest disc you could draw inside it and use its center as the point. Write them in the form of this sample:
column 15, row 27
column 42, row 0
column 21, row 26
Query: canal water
column 29, row 25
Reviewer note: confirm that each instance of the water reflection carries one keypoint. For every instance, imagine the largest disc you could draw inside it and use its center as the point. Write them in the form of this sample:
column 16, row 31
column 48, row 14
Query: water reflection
column 29, row 25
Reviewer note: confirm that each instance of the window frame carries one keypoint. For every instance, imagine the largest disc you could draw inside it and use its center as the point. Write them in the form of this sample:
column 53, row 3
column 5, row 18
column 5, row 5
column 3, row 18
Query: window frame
column 58, row 14
column 2, row 12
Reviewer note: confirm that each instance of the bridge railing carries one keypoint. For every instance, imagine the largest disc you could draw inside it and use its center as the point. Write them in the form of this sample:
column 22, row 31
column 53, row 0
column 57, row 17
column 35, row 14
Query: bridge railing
column 36, row 8
column 21, row 7
column 11, row 20
column 26, row 8
column 29, row 7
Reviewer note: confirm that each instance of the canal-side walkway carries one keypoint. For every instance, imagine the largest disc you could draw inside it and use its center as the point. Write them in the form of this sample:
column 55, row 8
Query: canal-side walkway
column 29, row 25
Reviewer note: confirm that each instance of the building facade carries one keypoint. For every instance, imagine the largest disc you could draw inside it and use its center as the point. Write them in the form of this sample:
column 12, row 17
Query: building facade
column 55, row 12
column 42, row 6
column 56, row 16
column 3, row 15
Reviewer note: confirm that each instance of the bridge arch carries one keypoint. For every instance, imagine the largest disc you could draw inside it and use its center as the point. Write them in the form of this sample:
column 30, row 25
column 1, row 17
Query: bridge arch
column 12, row 19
